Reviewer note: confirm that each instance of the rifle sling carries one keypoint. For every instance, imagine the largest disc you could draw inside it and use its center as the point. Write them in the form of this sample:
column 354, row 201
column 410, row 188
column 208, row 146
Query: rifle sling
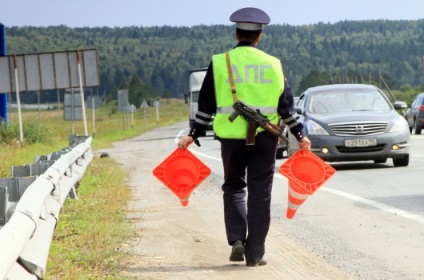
column 252, row 125
column 230, row 76
column 251, row 130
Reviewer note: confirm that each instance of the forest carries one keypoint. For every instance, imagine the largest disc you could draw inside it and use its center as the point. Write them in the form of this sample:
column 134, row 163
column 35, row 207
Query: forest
column 154, row 61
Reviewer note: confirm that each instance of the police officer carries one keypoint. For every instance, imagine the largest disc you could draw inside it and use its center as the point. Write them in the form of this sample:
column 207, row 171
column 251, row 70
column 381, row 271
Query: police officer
column 259, row 81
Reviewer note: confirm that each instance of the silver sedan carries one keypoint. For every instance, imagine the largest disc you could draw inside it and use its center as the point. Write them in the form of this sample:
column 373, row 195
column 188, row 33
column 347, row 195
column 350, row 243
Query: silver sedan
column 353, row 122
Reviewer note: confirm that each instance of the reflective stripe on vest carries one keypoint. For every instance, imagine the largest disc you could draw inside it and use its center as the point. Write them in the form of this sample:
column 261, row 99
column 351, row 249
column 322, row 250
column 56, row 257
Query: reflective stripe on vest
column 263, row 110
column 259, row 82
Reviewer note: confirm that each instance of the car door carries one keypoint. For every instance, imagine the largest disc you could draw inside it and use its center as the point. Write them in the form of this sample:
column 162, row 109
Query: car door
column 410, row 113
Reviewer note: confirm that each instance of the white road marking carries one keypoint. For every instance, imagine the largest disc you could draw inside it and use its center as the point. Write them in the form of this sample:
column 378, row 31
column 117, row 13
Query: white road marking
column 381, row 206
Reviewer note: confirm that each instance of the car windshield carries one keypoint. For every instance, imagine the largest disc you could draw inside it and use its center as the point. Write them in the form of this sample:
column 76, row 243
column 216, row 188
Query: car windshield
column 339, row 101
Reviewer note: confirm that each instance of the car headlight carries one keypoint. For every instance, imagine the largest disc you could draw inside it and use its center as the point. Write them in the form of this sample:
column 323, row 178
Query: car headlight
column 400, row 125
column 315, row 129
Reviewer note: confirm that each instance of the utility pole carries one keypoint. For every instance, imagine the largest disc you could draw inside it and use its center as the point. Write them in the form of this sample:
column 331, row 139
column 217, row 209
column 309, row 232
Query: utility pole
column 422, row 63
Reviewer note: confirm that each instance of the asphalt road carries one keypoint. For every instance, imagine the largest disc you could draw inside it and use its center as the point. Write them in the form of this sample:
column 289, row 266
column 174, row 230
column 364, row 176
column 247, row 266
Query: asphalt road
column 366, row 222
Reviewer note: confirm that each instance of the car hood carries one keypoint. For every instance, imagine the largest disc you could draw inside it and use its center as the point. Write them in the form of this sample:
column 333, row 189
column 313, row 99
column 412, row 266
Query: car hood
column 360, row 116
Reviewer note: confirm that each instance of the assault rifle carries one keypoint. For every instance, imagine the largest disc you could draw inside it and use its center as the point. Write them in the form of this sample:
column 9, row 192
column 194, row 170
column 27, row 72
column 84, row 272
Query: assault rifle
column 255, row 118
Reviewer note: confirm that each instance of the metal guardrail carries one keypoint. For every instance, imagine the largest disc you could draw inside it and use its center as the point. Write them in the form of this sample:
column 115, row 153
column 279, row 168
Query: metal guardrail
column 30, row 204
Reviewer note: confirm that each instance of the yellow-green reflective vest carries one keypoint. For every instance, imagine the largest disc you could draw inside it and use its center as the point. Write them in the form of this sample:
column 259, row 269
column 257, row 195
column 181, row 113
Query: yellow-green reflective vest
column 259, row 81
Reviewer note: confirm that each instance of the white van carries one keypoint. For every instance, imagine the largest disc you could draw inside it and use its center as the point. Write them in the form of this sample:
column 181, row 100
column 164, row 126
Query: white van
column 195, row 81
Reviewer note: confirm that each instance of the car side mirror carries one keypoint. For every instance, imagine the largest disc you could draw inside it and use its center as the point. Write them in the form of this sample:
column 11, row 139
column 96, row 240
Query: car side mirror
column 399, row 105
column 298, row 110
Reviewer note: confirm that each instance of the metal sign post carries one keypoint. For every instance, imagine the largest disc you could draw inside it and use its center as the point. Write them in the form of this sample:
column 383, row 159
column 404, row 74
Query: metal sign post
column 132, row 109
column 18, row 101
column 156, row 104
column 72, row 111
column 82, row 94
column 93, row 109
column 123, row 105
column 144, row 105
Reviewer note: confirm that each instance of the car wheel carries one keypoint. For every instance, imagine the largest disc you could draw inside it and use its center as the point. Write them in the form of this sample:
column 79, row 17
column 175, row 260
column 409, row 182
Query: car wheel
column 380, row 160
column 417, row 127
column 403, row 161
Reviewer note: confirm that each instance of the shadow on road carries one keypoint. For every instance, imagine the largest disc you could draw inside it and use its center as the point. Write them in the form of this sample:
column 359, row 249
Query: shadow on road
column 352, row 166
column 410, row 203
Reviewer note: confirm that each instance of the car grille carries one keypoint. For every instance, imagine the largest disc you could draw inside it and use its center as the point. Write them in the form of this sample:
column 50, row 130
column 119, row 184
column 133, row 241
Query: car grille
column 357, row 129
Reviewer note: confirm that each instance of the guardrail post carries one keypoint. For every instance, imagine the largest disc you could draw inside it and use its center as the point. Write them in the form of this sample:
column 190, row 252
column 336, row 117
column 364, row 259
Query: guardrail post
column 3, row 205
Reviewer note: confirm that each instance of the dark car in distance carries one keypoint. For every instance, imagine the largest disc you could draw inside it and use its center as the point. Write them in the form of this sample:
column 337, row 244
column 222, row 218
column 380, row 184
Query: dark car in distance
column 415, row 114
column 353, row 122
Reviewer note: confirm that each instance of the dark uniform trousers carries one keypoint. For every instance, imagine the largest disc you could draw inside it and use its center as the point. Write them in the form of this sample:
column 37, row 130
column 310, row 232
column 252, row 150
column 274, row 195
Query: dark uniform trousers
column 252, row 166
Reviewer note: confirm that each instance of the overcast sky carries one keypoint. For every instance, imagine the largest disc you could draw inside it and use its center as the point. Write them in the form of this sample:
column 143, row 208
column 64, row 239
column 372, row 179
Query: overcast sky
column 121, row 13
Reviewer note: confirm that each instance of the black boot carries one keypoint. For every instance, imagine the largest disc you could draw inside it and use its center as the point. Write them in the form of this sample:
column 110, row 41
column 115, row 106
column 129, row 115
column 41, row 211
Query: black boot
column 237, row 252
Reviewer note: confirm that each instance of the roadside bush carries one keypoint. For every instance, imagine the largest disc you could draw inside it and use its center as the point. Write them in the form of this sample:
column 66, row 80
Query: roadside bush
column 34, row 132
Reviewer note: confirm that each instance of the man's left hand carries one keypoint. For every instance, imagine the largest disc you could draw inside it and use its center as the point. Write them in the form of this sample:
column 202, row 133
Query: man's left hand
column 305, row 144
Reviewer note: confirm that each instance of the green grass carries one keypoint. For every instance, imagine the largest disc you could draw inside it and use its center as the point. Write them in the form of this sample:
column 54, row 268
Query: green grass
column 92, row 232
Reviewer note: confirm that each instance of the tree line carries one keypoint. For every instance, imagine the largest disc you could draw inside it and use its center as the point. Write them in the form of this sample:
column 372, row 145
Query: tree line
column 155, row 61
